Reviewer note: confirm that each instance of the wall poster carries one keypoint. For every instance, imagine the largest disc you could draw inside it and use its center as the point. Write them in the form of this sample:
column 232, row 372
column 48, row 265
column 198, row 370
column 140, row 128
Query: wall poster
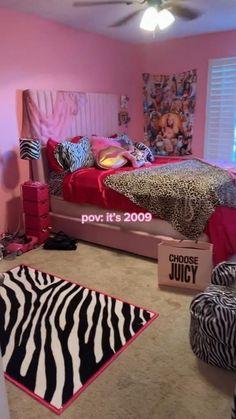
column 168, row 106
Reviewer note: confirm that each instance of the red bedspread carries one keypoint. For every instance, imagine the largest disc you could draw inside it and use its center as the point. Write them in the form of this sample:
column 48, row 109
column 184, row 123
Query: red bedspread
column 85, row 186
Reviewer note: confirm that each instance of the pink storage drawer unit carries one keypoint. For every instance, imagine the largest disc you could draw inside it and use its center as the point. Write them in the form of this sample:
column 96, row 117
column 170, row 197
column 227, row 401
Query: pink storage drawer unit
column 37, row 208
column 42, row 234
column 37, row 222
column 35, row 191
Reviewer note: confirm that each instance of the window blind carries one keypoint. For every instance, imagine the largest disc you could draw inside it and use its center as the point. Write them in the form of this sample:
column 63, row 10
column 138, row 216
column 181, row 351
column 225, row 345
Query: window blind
column 220, row 132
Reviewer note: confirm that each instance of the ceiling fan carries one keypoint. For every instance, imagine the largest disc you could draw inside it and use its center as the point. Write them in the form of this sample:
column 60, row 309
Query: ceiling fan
column 173, row 6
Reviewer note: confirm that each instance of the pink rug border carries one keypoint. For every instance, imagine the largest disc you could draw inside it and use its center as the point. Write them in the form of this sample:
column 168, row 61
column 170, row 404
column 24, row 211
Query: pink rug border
column 81, row 390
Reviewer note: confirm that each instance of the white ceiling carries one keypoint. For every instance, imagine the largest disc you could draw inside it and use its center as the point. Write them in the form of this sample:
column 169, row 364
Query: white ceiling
column 218, row 15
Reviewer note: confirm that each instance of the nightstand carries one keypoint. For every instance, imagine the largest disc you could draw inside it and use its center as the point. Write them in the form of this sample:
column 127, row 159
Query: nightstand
column 35, row 197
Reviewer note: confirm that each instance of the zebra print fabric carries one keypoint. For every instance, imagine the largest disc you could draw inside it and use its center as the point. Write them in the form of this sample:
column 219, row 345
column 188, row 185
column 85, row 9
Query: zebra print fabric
column 56, row 336
column 213, row 326
column 29, row 149
column 74, row 156
column 149, row 155
column 224, row 274
column 55, row 183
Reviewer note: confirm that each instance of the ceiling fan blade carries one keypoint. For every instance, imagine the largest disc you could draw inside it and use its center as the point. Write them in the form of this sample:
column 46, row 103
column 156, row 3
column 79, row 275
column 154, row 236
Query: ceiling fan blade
column 125, row 19
column 181, row 11
column 102, row 3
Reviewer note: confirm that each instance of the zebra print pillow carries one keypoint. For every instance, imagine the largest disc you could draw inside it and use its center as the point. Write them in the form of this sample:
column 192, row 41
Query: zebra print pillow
column 73, row 156
column 140, row 157
column 149, row 155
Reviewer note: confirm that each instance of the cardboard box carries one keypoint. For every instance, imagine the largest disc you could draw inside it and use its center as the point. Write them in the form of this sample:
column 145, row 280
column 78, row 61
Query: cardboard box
column 185, row 264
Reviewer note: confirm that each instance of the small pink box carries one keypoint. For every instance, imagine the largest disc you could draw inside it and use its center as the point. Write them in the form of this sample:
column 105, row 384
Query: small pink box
column 35, row 191
column 37, row 222
column 36, row 208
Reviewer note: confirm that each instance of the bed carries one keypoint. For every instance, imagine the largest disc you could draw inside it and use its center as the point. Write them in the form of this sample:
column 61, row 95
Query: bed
column 137, row 236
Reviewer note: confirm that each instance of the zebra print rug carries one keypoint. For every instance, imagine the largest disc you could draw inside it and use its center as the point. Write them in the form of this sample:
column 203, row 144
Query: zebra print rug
column 57, row 336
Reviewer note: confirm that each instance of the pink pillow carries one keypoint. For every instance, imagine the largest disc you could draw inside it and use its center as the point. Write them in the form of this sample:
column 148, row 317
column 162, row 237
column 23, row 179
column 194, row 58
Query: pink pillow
column 53, row 163
column 109, row 154
column 111, row 158
column 101, row 143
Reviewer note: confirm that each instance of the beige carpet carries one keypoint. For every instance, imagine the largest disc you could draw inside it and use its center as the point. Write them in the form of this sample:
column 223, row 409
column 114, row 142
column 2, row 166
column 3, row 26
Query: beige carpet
column 157, row 376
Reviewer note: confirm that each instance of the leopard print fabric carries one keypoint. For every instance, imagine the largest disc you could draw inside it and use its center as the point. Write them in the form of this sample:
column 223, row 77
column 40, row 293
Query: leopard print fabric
column 185, row 194
column 55, row 183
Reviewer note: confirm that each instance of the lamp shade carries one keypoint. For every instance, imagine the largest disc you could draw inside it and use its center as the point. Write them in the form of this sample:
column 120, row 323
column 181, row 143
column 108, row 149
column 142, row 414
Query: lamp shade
column 29, row 149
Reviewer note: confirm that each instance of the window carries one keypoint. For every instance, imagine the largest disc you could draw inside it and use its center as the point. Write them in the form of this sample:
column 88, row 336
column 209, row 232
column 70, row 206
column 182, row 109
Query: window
column 220, row 137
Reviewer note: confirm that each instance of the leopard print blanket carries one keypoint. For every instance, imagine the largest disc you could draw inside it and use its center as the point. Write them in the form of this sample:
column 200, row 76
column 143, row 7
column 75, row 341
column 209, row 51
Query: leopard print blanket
column 185, row 193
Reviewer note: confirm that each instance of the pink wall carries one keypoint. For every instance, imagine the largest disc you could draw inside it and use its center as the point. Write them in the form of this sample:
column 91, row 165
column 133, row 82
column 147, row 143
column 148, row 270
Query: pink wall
column 185, row 54
column 36, row 53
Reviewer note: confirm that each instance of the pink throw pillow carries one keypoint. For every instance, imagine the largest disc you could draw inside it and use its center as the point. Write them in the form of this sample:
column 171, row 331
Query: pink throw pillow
column 53, row 163
column 107, row 152
column 101, row 143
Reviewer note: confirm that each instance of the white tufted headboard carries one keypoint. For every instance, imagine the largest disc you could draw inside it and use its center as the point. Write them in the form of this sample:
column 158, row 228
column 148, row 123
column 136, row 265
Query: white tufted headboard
column 62, row 114
column 65, row 114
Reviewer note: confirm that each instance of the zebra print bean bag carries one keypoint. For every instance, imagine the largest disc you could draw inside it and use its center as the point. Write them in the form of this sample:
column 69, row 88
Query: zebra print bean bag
column 224, row 274
column 213, row 326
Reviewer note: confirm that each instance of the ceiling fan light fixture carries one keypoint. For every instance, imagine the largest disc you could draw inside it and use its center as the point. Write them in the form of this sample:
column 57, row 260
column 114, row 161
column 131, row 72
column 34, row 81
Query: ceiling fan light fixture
column 149, row 20
column 165, row 18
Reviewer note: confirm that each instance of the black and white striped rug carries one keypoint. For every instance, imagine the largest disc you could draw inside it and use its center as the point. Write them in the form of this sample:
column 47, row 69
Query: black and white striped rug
column 56, row 336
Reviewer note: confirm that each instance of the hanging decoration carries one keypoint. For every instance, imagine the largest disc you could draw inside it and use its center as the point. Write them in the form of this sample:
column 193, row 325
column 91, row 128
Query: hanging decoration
column 123, row 115
column 168, row 106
